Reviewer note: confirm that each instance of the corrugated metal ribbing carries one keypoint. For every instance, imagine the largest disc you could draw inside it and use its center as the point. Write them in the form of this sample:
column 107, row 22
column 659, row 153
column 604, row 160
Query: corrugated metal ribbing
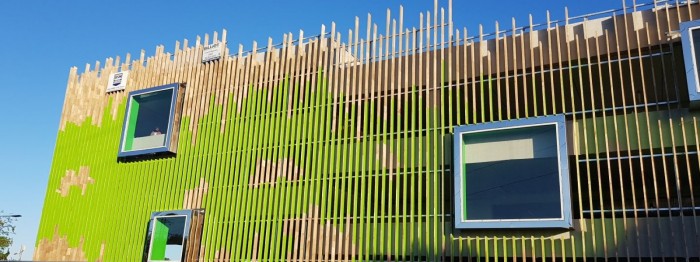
column 338, row 147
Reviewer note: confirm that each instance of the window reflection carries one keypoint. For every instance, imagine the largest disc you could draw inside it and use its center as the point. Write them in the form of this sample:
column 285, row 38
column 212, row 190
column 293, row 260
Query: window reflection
column 511, row 174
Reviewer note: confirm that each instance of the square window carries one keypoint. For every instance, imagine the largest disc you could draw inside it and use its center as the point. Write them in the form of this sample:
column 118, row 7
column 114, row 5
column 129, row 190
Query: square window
column 690, row 38
column 174, row 235
column 152, row 121
column 512, row 174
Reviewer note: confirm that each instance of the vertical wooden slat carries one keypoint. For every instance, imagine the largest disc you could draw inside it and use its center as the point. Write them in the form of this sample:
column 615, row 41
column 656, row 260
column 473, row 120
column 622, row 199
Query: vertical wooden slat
column 523, row 66
column 533, row 74
column 550, row 60
column 296, row 73
column 667, row 190
column 677, row 183
column 407, row 83
column 499, row 93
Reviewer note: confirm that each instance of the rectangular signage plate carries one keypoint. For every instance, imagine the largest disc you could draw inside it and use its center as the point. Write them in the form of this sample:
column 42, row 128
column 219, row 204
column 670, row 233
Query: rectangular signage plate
column 117, row 81
column 211, row 52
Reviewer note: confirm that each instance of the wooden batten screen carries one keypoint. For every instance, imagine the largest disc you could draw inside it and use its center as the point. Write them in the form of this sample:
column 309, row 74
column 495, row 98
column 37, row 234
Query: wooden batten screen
column 337, row 147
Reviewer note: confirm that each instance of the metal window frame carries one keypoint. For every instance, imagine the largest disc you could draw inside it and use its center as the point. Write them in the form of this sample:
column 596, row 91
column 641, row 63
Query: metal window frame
column 691, row 68
column 565, row 221
column 169, row 134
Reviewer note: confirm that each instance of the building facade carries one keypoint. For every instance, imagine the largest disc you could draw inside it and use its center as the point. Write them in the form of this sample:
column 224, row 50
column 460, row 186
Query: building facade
column 569, row 140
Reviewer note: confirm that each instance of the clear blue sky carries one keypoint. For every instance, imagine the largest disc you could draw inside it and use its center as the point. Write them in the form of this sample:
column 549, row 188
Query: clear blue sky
column 41, row 40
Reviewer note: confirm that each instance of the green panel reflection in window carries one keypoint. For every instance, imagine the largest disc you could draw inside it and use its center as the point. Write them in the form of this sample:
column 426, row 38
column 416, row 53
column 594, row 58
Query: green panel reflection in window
column 131, row 125
column 168, row 238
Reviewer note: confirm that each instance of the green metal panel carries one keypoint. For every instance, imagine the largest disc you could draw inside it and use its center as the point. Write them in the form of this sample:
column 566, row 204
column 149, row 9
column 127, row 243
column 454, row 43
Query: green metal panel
column 133, row 117
column 160, row 240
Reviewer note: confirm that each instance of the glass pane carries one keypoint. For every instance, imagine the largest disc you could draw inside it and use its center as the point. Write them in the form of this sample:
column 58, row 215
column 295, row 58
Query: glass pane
column 149, row 119
column 167, row 238
column 511, row 174
column 696, row 48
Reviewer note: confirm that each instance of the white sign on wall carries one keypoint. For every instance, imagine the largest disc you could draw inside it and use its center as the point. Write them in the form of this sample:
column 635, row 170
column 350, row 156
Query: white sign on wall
column 117, row 81
column 211, row 52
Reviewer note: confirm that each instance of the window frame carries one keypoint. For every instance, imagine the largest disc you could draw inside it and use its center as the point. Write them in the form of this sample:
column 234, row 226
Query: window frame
column 693, row 80
column 565, row 221
column 170, row 135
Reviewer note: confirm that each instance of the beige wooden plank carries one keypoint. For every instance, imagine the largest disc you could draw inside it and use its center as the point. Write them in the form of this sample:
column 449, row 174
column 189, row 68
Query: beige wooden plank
column 636, row 115
column 483, row 54
column 593, row 238
column 697, row 149
column 373, row 169
column 648, row 134
column 507, row 69
column 472, row 62
column 550, row 61
column 626, row 124
column 530, row 85
column 353, row 148
column 291, row 65
column 267, row 226
column 463, row 76
column 497, row 43
column 667, row 190
column 403, row 232
column 313, row 100
column 414, row 233
column 561, row 70
column 523, row 66
column 444, row 91
column 422, row 94
column 606, row 138
column 677, row 183
column 331, row 230
column 199, row 92
column 239, row 89
column 302, row 235
column 590, row 58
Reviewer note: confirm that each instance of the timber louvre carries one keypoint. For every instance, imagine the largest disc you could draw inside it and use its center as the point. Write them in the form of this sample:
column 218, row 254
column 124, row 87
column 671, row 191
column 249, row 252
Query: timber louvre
column 325, row 149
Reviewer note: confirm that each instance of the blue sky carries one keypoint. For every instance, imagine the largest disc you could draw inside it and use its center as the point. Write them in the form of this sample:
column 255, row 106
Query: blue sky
column 41, row 40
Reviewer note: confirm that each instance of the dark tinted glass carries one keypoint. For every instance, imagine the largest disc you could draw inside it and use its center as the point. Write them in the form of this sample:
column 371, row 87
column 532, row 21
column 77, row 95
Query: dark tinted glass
column 511, row 174
column 696, row 45
column 153, row 113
